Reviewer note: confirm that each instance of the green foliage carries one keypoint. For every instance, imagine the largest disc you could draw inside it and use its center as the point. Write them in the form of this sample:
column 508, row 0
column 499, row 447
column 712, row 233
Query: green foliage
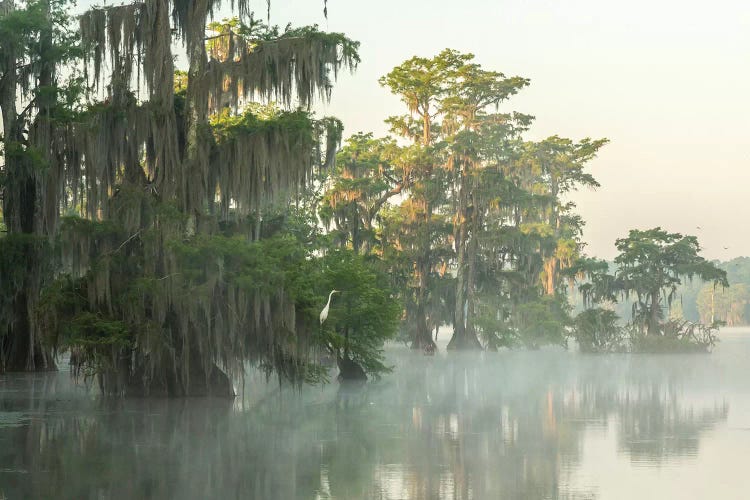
column 597, row 330
column 256, row 32
column 364, row 315
column 38, row 37
column 95, row 338
column 493, row 321
column 364, row 179
column 677, row 336
column 652, row 264
column 657, row 259
column 421, row 83
column 30, row 161
column 478, row 208
column 361, row 319
column 265, row 266
column 79, row 226
column 599, row 285
column 20, row 31
column 738, row 270
column 262, row 119
column 274, row 63
column 88, row 330
column 542, row 322
column 649, row 272
column 173, row 269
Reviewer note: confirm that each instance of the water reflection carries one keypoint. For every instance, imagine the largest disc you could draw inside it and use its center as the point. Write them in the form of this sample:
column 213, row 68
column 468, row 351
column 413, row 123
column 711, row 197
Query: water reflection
column 652, row 423
column 499, row 425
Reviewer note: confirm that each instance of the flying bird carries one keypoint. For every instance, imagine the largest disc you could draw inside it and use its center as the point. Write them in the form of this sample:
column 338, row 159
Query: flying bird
column 324, row 312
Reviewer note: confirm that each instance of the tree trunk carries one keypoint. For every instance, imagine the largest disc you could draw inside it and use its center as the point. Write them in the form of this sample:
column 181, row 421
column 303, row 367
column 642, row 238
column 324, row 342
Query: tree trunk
column 349, row 369
column 186, row 374
column 471, row 336
column 197, row 107
column 366, row 246
column 460, row 235
column 16, row 341
column 356, row 233
column 20, row 348
column 8, row 83
column 550, row 278
column 423, row 336
column 655, row 313
column 463, row 331
column 202, row 383
column 165, row 139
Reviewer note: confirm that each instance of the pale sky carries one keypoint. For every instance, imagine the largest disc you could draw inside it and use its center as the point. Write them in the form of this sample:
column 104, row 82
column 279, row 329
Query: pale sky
column 666, row 81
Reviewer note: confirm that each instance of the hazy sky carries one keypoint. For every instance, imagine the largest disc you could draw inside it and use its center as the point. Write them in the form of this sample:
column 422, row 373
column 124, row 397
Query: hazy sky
column 665, row 80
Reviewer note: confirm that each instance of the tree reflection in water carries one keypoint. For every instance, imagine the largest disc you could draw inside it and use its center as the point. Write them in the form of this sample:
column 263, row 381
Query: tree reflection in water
column 508, row 425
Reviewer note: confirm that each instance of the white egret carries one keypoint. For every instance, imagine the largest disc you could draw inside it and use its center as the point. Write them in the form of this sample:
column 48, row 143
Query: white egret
column 324, row 312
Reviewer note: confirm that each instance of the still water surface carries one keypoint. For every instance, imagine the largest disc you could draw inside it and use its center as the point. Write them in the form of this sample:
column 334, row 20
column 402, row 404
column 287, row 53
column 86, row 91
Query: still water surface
column 512, row 425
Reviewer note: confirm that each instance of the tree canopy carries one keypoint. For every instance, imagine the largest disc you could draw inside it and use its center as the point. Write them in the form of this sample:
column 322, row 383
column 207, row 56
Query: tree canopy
column 652, row 264
column 167, row 226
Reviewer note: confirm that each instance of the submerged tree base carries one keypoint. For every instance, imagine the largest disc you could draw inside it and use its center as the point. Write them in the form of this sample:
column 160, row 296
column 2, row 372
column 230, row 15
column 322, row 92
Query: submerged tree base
column 17, row 355
column 200, row 383
column 215, row 383
column 350, row 370
column 674, row 336
column 464, row 343
column 425, row 343
column 656, row 344
column 679, row 337
column 41, row 364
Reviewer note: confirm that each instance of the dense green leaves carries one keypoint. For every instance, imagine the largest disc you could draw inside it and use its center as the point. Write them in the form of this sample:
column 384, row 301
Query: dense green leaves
column 182, row 261
column 183, row 258
column 363, row 316
column 472, row 219
column 650, row 269
column 597, row 330
column 651, row 265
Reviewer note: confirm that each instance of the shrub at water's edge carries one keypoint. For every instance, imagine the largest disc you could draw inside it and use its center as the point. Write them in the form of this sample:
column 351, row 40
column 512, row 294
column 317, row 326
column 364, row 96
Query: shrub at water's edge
column 677, row 336
column 597, row 330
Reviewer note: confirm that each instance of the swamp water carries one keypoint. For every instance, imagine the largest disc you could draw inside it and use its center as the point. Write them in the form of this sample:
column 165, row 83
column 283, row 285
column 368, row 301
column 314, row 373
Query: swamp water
column 514, row 425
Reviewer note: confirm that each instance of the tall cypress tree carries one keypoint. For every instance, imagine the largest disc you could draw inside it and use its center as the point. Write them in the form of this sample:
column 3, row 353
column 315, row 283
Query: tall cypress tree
column 166, row 183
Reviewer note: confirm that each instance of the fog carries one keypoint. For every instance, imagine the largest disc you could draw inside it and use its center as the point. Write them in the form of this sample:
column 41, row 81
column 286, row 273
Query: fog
column 549, row 424
column 405, row 250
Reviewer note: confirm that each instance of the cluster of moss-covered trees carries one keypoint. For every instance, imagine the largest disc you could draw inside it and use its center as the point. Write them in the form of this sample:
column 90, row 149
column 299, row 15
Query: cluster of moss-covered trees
column 168, row 227
column 471, row 217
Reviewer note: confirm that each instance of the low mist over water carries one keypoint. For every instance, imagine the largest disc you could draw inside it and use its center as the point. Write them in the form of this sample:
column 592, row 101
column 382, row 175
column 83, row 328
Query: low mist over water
column 545, row 424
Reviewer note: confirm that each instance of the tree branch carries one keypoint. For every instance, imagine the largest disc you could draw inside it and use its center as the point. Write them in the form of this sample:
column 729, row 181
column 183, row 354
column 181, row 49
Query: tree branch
column 124, row 243
column 381, row 201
